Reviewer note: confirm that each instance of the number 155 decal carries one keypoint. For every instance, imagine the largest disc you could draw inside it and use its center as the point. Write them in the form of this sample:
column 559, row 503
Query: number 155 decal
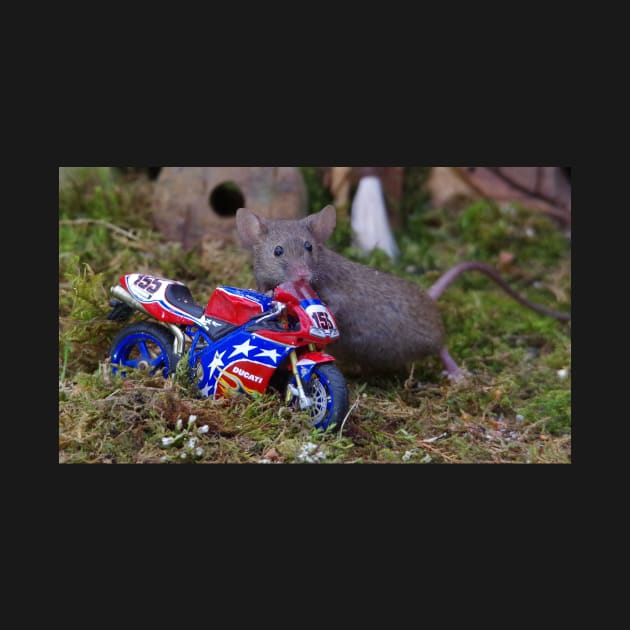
column 149, row 283
column 321, row 318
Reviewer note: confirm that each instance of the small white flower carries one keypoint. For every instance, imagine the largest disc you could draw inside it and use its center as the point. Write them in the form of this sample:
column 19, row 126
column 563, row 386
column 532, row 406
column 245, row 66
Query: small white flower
column 179, row 425
column 198, row 451
column 563, row 373
column 407, row 456
column 191, row 443
column 304, row 454
column 520, row 418
column 204, row 429
column 167, row 441
column 530, row 232
column 191, row 420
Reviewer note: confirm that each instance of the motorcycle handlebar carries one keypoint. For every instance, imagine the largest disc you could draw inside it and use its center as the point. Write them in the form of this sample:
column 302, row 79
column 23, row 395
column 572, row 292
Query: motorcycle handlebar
column 278, row 307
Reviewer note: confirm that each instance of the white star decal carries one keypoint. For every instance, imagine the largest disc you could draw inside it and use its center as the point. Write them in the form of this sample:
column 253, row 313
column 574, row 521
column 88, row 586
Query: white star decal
column 217, row 362
column 272, row 354
column 206, row 390
column 243, row 348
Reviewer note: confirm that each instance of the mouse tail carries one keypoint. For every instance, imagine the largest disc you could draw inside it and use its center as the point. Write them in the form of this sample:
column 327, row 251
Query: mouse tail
column 442, row 283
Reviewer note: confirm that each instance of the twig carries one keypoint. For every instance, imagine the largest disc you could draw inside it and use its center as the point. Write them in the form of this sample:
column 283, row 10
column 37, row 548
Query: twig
column 107, row 224
column 532, row 425
column 141, row 246
column 523, row 189
column 430, row 447
column 355, row 404
column 554, row 210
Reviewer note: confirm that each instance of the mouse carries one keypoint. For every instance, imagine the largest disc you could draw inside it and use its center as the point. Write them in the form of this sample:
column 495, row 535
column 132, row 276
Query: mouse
column 372, row 307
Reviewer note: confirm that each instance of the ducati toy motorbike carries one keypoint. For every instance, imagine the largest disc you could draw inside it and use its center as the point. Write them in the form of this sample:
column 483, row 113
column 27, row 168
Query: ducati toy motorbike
column 241, row 342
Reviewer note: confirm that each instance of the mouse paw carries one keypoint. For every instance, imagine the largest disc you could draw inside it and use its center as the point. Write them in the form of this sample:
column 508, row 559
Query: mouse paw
column 453, row 372
column 458, row 376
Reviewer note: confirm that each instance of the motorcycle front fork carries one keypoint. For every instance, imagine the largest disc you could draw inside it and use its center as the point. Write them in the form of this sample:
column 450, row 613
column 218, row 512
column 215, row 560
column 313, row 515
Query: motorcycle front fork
column 298, row 390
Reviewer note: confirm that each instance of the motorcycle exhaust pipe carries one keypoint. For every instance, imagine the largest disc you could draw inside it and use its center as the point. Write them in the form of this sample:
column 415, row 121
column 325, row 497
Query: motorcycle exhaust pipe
column 124, row 296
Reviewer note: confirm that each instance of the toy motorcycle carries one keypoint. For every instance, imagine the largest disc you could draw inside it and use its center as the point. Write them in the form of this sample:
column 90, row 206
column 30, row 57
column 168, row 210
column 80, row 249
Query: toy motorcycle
column 242, row 341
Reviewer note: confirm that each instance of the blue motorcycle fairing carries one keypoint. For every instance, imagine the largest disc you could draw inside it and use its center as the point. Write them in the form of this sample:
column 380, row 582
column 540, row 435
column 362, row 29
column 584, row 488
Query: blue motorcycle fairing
column 221, row 357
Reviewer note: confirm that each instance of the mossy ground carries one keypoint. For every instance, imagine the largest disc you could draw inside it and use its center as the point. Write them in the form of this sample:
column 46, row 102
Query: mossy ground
column 515, row 407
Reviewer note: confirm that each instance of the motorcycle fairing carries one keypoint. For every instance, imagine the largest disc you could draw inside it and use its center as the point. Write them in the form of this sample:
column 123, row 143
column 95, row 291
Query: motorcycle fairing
column 151, row 292
column 309, row 360
column 241, row 362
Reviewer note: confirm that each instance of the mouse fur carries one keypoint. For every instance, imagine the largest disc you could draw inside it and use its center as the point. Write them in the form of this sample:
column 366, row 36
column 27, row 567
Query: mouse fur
column 386, row 322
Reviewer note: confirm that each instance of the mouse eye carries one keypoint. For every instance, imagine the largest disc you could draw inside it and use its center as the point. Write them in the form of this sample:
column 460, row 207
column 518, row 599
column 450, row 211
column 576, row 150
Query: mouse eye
column 278, row 251
column 308, row 246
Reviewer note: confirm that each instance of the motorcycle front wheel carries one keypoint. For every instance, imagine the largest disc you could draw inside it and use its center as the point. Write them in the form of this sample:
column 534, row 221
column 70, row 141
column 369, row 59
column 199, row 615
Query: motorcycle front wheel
column 143, row 346
column 328, row 392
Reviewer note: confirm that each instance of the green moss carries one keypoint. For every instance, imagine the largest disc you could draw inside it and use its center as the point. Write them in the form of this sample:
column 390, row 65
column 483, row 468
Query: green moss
column 318, row 194
column 416, row 198
column 487, row 228
column 341, row 239
column 100, row 193
column 551, row 408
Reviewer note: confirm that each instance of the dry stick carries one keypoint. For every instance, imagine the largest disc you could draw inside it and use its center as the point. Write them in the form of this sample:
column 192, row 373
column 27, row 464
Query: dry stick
column 409, row 382
column 123, row 241
column 523, row 189
column 111, row 226
column 438, row 451
column 560, row 214
column 533, row 425
column 355, row 404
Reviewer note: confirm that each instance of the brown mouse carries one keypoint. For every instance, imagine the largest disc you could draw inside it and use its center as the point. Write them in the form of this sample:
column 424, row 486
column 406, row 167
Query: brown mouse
column 372, row 308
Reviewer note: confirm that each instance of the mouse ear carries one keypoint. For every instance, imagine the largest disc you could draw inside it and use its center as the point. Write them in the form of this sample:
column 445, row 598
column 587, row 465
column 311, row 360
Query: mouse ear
column 250, row 227
column 323, row 223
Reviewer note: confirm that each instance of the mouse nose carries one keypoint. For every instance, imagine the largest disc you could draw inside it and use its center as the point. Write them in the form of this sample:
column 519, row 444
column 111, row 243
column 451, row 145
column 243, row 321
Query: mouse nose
column 300, row 272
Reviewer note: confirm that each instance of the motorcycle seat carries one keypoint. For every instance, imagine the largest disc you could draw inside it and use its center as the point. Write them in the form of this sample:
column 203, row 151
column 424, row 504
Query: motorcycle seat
column 180, row 296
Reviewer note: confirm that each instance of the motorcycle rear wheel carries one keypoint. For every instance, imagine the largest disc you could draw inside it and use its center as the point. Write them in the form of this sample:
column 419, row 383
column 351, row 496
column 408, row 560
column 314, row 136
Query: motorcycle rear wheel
column 328, row 392
column 143, row 346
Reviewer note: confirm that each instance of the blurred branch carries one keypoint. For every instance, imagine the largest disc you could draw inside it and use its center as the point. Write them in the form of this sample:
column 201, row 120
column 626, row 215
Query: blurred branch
column 108, row 225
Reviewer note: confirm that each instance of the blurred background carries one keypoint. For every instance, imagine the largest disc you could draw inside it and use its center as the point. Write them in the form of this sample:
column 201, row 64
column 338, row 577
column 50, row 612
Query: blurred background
column 188, row 204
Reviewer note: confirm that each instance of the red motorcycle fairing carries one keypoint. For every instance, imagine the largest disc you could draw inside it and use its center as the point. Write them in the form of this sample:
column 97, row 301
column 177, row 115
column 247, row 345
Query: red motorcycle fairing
column 250, row 377
column 150, row 291
column 170, row 301
column 235, row 305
